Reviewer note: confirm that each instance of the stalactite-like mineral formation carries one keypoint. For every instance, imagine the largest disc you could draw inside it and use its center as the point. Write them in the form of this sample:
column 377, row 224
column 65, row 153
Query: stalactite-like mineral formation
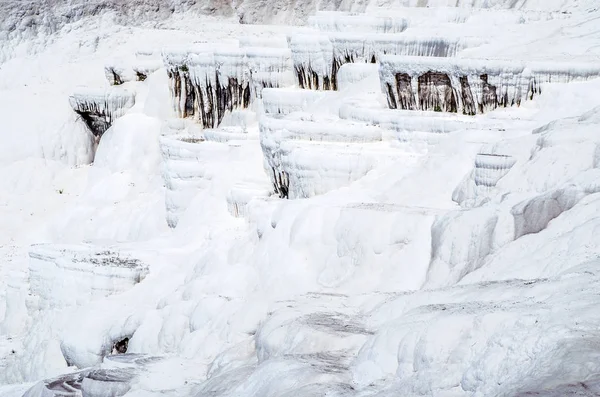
column 99, row 108
column 208, row 83
column 318, row 57
column 470, row 86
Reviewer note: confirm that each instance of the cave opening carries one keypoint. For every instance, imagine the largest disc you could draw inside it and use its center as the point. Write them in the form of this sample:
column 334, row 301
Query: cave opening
column 120, row 347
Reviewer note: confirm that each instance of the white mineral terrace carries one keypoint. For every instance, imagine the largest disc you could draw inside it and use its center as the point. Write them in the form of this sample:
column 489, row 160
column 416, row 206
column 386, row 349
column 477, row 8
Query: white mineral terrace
column 240, row 195
column 318, row 57
column 207, row 83
column 192, row 163
column 288, row 100
column 335, row 22
column 407, row 120
column 344, row 151
column 99, row 107
column 471, row 86
column 63, row 275
column 186, row 169
column 263, row 199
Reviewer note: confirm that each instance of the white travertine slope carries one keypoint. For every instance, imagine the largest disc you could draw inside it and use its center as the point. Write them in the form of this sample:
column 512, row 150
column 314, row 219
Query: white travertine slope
column 322, row 241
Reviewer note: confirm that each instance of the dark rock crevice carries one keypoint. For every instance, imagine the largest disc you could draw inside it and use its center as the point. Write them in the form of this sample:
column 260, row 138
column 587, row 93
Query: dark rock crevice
column 337, row 63
column 473, row 86
column 208, row 98
column 489, row 99
column 99, row 110
column 469, row 105
column 97, row 122
column 190, row 96
column 281, row 183
column 120, row 346
column 309, row 79
column 140, row 76
column 406, row 97
column 436, row 93
column 115, row 78
column 391, row 99
column 232, row 95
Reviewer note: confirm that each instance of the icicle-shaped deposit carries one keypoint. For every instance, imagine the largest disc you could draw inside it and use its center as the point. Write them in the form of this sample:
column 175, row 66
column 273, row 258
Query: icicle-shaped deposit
column 232, row 89
column 191, row 73
column 269, row 68
column 208, row 82
column 138, row 68
column 318, row 57
column 470, row 86
column 99, row 108
column 312, row 55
